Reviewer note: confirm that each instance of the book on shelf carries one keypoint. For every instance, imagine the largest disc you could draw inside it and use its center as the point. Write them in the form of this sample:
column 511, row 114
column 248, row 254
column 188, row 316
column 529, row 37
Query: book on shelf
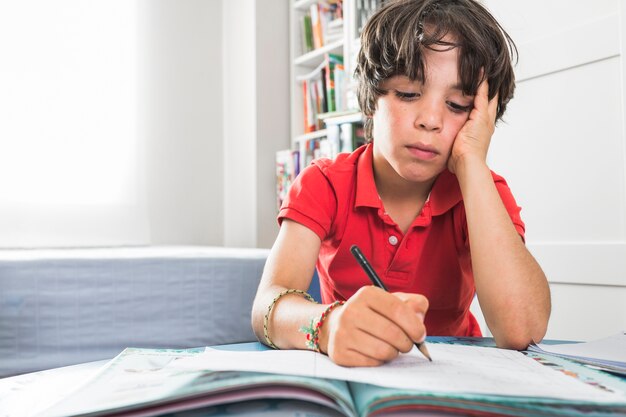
column 316, row 24
column 334, row 31
column 323, row 91
column 332, row 143
column 341, row 85
column 309, row 108
column 352, row 136
column 343, row 133
column 344, row 137
column 287, row 168
column 314, row 101
column 341, row 137
column 331, row 62
column 308, row 150
column 322, row 25
column 306, row 33
column 461, row 380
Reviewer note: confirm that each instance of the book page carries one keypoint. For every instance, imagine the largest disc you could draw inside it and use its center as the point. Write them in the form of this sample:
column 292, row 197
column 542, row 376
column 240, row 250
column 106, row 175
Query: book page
column 455, row 369
column 138, row 378
column 612, row 348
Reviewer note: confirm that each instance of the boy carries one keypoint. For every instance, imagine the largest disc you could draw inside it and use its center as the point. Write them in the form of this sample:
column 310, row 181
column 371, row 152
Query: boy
column 434, row 76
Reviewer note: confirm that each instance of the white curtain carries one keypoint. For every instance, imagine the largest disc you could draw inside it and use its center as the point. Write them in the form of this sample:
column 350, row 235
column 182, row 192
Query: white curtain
column 70, row 154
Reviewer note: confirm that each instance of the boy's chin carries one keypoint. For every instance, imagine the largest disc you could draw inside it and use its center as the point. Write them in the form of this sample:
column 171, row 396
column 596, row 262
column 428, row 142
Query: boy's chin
column 423, row 177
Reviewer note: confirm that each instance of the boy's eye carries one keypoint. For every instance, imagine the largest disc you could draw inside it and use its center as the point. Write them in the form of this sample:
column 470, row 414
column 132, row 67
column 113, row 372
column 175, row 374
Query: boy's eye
column 406, row 96
column 457, row 108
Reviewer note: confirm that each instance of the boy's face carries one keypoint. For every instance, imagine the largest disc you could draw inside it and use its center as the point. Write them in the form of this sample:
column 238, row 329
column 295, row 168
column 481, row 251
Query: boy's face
column 415, row 123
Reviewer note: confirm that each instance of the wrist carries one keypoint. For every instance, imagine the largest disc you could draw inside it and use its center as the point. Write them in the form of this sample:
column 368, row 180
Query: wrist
column 466, row 165
column 324, row 329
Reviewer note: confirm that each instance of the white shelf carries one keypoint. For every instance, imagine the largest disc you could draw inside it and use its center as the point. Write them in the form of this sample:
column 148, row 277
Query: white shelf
column 304, row 66
column 337, row 118
column 312, row 135
column 303, row 4
column 316, row 57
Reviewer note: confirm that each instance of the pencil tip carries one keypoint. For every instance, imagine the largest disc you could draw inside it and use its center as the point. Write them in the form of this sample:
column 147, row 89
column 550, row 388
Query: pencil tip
column 422, row 348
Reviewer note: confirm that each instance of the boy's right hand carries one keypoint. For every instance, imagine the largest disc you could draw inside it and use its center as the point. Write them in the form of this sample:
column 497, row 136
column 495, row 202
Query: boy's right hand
column 373, row 327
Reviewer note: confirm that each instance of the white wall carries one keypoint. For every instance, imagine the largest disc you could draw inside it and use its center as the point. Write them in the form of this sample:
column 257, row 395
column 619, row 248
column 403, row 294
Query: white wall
column 69, row 152
column 240, row 142
column 215, row 106
column 562, row 150
column 256, row 117
column 181, row 119
column 272, row 101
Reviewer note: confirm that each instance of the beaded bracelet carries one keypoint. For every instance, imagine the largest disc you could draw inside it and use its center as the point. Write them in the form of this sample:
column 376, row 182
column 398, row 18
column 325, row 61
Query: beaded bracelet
column 266, row 318
column 312, row 331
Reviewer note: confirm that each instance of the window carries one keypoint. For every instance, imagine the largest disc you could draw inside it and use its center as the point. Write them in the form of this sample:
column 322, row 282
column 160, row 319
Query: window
column 70, row 155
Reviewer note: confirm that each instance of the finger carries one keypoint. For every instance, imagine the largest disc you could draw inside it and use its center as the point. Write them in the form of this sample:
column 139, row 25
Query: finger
column 374, row 348
column 397, row 312
column 352, row 347
column 367, row 311
column 354, row 358
column 380, row 327
column 492, row 109
column 481, row 100
column 417, row 302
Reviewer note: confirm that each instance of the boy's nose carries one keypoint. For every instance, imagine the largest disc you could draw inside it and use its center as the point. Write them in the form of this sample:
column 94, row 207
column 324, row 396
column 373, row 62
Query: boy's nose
column 429, row 118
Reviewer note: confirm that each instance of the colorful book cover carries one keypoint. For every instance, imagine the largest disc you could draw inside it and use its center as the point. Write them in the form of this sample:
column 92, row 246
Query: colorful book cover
column 307, row 113
column 316, row 25
column 340, row 81
column 331, row 60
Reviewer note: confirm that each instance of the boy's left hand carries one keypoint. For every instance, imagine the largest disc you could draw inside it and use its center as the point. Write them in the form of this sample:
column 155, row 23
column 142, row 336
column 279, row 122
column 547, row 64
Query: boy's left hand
column 472, row 141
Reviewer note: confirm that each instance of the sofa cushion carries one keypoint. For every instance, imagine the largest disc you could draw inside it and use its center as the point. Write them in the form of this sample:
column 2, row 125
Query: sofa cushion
column 61, row 307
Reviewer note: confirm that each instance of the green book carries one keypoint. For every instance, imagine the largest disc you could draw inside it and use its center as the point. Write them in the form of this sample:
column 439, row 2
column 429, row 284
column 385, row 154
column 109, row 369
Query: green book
column 332, row 60
column 307, row 34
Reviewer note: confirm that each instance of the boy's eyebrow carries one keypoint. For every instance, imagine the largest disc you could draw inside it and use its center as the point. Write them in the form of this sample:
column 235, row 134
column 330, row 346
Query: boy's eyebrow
column 459, row 87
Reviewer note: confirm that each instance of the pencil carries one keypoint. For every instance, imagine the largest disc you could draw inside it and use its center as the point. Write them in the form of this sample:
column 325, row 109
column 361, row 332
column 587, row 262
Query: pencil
column 373, row 276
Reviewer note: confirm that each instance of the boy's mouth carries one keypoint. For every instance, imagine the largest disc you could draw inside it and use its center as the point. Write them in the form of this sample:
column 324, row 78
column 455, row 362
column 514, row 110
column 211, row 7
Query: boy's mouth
column 423, row 152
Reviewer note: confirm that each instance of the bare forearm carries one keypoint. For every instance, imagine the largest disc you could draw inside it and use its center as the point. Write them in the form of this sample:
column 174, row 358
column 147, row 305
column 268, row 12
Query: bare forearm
column 512, row 289
column 290, row 265
column 287, row 316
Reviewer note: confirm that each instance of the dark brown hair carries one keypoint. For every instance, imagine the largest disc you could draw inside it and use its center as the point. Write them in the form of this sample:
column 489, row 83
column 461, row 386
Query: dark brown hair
column 393, row 40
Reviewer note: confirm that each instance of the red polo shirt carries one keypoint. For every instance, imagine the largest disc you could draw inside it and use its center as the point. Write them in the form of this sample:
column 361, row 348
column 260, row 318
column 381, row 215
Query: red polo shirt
column 338, row 201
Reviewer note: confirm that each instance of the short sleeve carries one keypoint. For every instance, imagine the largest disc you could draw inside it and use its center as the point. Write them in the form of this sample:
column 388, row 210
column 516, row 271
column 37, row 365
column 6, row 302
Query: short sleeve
column 510, row 204
column 311, row 202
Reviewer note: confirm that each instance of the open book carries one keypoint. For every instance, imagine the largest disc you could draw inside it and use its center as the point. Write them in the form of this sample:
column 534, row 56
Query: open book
column 467, row 380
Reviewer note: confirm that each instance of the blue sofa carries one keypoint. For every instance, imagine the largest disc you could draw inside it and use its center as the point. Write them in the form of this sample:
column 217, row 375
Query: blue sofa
column 62, row 307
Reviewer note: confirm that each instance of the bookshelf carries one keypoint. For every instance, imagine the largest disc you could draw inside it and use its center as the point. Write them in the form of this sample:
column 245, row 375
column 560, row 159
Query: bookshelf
column 324, row 118
column 305, row 64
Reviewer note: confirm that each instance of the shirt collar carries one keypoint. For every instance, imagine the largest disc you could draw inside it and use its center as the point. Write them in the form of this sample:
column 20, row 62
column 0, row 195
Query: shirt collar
column 444, row 195
column 366, row 193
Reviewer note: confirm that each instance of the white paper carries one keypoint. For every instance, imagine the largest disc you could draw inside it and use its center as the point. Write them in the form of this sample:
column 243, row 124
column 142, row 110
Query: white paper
column 611, row 348
column 29, row 394
column 455, row 369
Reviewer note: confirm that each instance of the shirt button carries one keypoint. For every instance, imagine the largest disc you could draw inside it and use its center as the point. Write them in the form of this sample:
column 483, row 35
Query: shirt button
column 393, row 240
